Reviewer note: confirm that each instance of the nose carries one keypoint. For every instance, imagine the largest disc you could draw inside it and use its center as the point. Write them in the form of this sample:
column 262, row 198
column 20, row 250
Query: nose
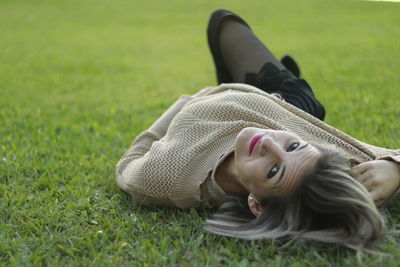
column 270, row 147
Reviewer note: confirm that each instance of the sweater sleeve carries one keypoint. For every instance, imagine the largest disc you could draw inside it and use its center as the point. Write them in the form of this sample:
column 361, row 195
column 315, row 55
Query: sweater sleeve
column 395, row 157
column 161, row 125
column 129, row 166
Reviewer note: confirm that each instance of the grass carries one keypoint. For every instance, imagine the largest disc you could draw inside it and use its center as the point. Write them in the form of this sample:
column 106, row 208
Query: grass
column 80, row 79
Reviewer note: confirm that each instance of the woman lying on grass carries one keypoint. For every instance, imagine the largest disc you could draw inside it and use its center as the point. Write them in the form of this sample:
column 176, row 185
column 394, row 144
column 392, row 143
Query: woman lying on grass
column 256, row 146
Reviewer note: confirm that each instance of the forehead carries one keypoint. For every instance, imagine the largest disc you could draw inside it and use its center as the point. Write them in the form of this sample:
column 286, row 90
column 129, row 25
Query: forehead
column 295, row 168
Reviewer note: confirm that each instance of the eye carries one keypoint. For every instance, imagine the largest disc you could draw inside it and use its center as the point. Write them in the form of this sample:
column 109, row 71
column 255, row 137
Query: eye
column 274, row 170
column 293, row 146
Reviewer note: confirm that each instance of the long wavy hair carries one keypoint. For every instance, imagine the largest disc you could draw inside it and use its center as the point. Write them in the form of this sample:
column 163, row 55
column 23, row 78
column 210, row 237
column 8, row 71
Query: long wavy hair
column 329, row 206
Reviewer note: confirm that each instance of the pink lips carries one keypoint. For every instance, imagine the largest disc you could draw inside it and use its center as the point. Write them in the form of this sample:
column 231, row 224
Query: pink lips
column 254, row 142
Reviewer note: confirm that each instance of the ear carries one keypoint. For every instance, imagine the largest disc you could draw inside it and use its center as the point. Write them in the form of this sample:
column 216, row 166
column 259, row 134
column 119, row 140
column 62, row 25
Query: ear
column 254, row 205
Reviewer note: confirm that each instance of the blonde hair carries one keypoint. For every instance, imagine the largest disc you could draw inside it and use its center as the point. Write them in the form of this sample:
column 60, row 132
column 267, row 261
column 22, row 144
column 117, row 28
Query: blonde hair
column 329, row 206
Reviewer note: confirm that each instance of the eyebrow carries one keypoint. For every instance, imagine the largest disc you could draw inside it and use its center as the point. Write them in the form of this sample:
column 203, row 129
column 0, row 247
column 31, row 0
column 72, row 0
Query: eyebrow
column 280, row 177
column 284, row 167
column 304, row 146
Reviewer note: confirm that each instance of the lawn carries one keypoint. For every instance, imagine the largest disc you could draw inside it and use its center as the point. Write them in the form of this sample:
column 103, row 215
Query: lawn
column 80, row 79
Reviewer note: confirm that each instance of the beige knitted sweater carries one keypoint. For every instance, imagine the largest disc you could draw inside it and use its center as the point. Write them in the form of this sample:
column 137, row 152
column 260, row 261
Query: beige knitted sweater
column 167, row 163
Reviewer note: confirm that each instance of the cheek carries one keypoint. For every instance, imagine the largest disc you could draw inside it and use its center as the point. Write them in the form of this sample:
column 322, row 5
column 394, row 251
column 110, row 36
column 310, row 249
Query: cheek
column 261, row 192
column 253, row 169
column 255, row 180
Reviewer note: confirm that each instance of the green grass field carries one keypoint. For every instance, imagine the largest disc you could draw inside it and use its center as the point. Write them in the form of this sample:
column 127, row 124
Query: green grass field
column 80, row 79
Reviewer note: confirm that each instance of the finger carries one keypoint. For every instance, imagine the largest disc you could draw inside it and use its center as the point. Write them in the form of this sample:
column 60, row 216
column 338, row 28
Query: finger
column 374, row 195
column 362, row 167
column 370, row 184
column 378, row 196
column 366, row 176
column 362, row 176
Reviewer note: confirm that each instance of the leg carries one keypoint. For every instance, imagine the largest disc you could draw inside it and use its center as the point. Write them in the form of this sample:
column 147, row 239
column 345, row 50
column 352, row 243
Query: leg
column 239, row 56
column 236, row 41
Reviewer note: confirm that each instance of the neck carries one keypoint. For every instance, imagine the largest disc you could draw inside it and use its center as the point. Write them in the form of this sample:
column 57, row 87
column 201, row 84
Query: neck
column 227, row 178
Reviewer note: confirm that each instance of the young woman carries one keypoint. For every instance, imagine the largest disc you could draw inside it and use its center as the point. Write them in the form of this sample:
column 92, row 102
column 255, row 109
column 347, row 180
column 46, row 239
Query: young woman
column 256, row 146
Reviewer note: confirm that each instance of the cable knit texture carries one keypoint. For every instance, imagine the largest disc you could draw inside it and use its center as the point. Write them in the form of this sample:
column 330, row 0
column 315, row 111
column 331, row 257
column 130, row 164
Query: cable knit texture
column 168, row 168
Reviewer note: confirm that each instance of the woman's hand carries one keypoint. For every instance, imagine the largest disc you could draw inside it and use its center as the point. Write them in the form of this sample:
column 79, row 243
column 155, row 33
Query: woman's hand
column 380, row 177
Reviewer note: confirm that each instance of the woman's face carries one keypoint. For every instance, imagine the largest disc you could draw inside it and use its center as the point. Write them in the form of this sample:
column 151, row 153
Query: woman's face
column 270, row 162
